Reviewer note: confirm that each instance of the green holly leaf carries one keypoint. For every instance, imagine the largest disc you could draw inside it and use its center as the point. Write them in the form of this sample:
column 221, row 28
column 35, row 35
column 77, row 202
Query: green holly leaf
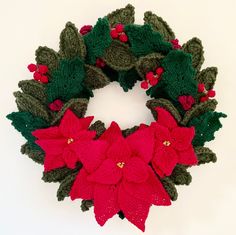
column 71, row 42
column 208, row 77
column 97, row 41
column 159, row 25
column 123, row 16
column 181, row 176
column 205, row 127
column 205, row 155
column 195, row 48
column 144, row 40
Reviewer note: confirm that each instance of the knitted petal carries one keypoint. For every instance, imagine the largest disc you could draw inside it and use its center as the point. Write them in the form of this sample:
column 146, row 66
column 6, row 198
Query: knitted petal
column 165, row 118
column 52, row 162
column 162, row 134
column 105, row 202
column 86, row 135
column 107, row 173
column 70, row 157
column 47, row 133
column 187, row 157
column 141, row 143
column 182, row 137
column 81, row 187
column 164, row 161
column 136, row 170
column 135, row 210
column 52, row 146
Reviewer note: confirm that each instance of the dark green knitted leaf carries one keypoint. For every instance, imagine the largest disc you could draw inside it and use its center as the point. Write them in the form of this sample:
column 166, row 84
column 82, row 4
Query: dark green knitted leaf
column 205, row 127
column 148, row 63
column 68, row 81
column 144, row 40
column 121, row 215
column 86, row 205
column 97, row 40
column 27, row 103
column 159, row 25
column 129, row 131
column 195, row 48
column 119, row 57
column 47, row 56
column 181, row 176
column 123, row 16
column 127, row 79
column 77, row 105
column 57, row 175
column 99, row 127
column 95, row 78
column 170, row 188
column 198, row 109
column 25, row 123
column 205, row 155
column 71, row 42
column 33, row 88
column 208, row 77
column 178, row 77
column 65, row 186
column 33, row 152
column 166, row 104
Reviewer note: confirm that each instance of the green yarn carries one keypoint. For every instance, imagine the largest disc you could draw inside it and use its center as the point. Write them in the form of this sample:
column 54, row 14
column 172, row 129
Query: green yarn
column 86, row 205
column 205, row 127
column 97, row 40
column 144, row 40
column 207, row 77
column 159, row 25
column 121, row 215
column 127, row 79
column 205, row 155
column 170, row 188
column 67, row 81
column 180, row 176
column 129, row 131
column 99, row 127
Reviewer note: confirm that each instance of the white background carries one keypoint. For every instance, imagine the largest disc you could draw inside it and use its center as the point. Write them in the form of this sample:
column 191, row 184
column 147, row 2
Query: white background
column 28, row 205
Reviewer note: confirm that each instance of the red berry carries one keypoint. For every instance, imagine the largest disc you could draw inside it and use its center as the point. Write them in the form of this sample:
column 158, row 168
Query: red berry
column 32, row 67
column 114, row 33
column 150, row 76
column 100, row 63
column 86, row 29
column 119, row 28
column 211, row 93
column 123, row 37
column 153, row 81
column 43, row 68
column 56, row 105
column 44, row 79
column 144, row 85
column 159, row 70
column 204, row 98
column 37, row 76
column 201, row 87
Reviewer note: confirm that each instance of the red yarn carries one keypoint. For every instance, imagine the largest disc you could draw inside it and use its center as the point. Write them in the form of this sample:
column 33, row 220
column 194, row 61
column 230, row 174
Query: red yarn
column 37, row 76
column 159, row 71
column 123, row 37
column 32, row 67
column 201, row 87
column 42, row 68
column 86, row 29
column 204, row 98
column 175, row 44
column 114, row 33
column 56, row 105
column 150, row 75
column 211, row 93
column 144, row 85
column 186, row 101
column 100, row 63
column 119, row 28
column 153, row 81
column 44, row 79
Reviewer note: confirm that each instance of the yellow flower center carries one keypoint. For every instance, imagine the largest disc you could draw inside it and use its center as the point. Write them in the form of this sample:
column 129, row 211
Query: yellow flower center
column 120, row 164
column 70, row 140
column 166, row 143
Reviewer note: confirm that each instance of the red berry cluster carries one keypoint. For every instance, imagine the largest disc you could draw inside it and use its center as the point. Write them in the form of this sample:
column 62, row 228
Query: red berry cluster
column 100, row 63
column 152, row 78
column 206, row 93
column 175, row 44
column 86, row 29
column 56, row 105
column 118, row 33
column 39, row 71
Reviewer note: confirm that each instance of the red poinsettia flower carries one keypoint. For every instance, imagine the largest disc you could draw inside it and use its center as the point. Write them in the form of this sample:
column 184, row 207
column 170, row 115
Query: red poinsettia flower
column 173, row 144
column 116, row 175
column 58, row 141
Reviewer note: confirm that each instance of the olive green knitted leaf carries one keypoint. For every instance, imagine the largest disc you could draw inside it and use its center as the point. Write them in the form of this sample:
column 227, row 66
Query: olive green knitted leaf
column 124, row 16
column 205, row 155
column 129, row 131
column 170, row 188
column 198, row 109
column 37, row 155
column 127, row 79
column 159, row 25
column 148, row 63
column 119, row 57
column 166, row 104
column 77, row 105
column 144, row 40
column 97, row 40
column 65, row 186
column 180, row 175
column 71, row 42
column 195, row 48
column 205, row 127
column 95, row 78
column 47, row 56
column 27, row 103
column 57, row 175
column 33, row 88
column 99, row 127
column 208, row 77
column 86, row 205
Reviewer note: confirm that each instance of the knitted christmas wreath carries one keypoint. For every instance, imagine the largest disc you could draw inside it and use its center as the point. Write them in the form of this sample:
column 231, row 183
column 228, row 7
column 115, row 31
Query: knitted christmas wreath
column 118, row 171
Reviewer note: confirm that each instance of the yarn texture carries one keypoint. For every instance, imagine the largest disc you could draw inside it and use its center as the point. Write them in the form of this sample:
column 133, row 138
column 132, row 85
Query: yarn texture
column 119, row 172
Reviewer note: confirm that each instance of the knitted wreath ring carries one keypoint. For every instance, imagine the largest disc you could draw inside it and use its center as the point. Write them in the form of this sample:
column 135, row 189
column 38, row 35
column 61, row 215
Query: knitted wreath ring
column 118, row 171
